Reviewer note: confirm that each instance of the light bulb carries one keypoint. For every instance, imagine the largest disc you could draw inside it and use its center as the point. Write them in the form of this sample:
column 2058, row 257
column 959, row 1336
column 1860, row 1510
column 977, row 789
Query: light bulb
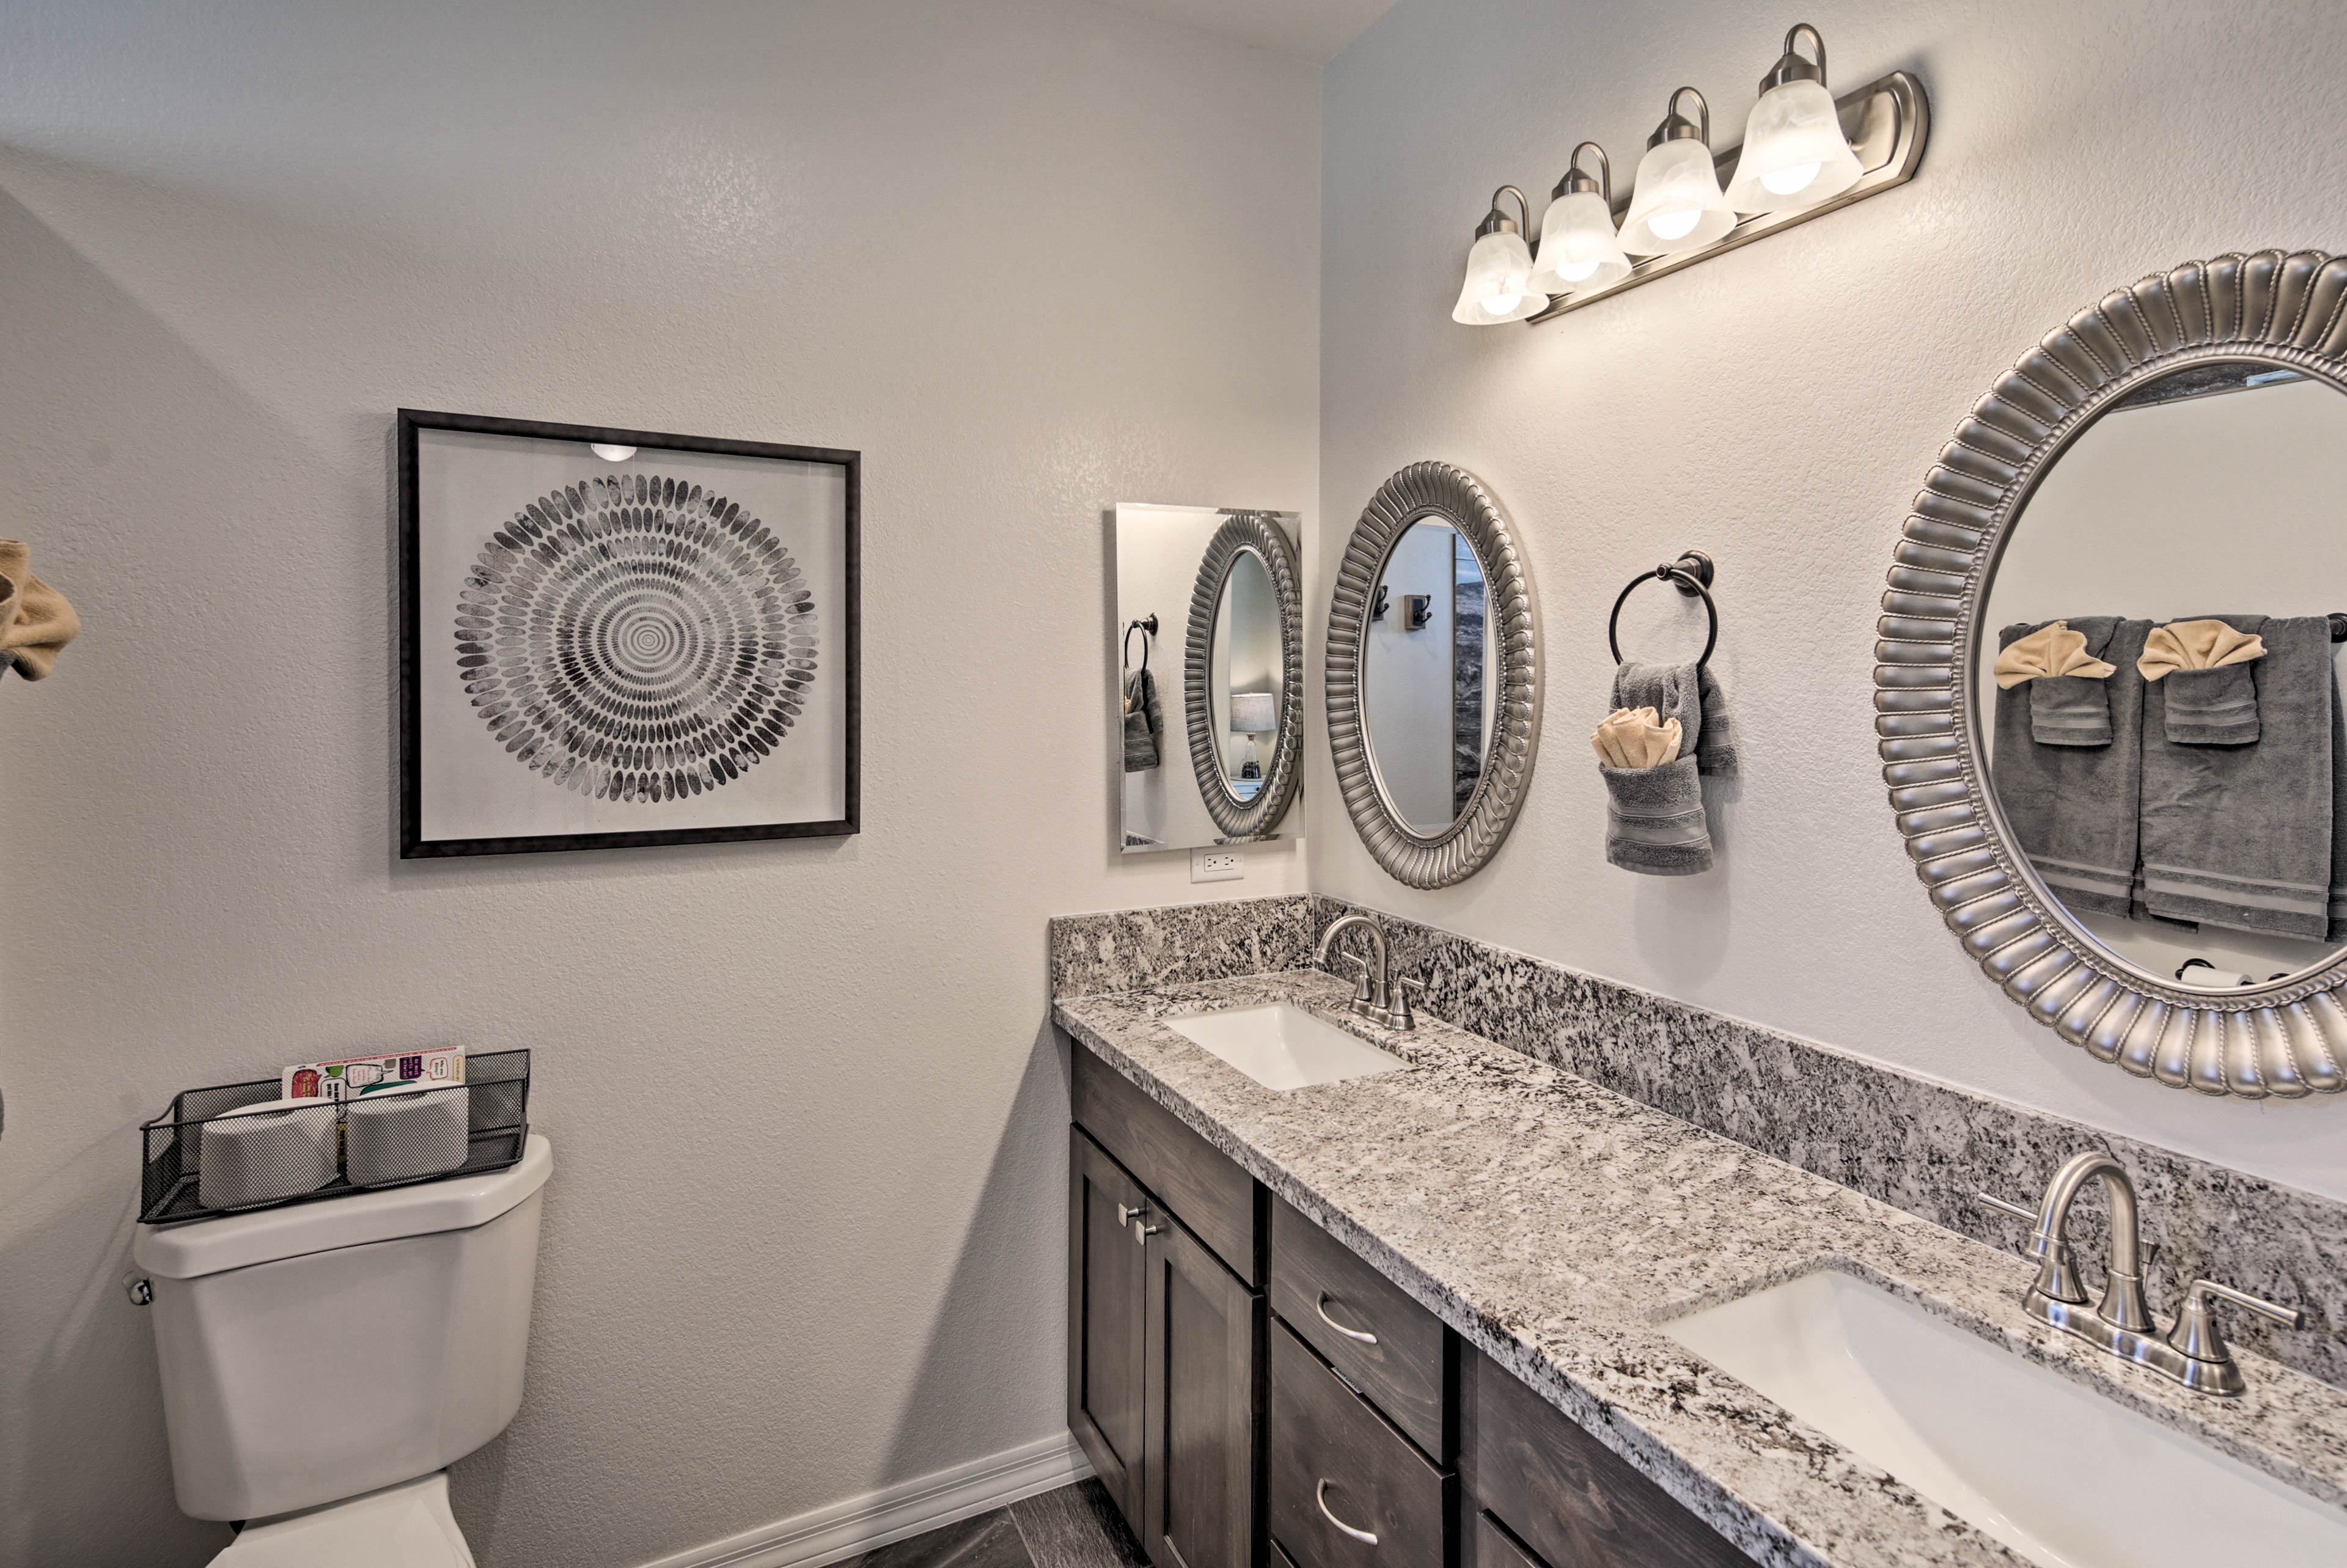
column 1785, row 181
column 1795, row 153
column 1500, row 304
column 1676, row 224
column 610, row 454
column 1574, row 271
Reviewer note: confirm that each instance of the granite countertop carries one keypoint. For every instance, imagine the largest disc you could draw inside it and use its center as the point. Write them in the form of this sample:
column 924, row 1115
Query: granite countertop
column 1554, row 1224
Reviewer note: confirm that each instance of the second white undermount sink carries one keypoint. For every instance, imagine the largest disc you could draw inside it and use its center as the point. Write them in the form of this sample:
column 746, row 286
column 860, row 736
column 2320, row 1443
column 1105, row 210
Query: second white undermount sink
column 2053, row 1470
column 1283, row 1047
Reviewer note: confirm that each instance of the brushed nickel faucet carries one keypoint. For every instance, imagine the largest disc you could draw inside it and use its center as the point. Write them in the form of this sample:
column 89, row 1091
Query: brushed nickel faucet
column 2191, row 1352
column 1375, row 995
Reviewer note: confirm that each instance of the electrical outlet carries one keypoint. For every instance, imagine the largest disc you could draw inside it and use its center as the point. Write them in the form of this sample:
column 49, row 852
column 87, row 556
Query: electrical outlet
column 1217, row 865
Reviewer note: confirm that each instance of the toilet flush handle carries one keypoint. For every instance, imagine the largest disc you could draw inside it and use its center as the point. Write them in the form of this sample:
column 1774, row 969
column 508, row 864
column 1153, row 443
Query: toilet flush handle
column 139, row 1289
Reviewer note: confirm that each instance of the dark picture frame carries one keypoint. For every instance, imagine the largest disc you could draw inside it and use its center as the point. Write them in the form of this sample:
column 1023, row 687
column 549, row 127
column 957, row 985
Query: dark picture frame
column 841, row 657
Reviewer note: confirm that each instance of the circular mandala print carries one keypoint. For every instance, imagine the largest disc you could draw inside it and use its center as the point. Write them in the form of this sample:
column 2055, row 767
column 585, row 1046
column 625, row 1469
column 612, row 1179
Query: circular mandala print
column 633, row 638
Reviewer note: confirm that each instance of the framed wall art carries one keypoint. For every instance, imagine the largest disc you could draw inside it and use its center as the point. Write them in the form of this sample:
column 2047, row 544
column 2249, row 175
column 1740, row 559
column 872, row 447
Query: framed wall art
column 616, row 638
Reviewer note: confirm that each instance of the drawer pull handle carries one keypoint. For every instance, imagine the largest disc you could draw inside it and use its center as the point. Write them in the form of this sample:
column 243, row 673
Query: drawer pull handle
column 1321, row 1497
column 1321, row 1306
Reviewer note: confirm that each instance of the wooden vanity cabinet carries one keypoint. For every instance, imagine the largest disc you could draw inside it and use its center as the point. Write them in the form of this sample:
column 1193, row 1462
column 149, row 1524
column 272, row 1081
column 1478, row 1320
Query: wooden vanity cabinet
column 1542, row 1492
column 1166, row 1326
column 1236, row 1431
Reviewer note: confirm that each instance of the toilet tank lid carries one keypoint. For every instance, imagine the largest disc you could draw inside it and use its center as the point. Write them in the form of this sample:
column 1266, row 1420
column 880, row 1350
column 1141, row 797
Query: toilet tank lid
column 454, row 1202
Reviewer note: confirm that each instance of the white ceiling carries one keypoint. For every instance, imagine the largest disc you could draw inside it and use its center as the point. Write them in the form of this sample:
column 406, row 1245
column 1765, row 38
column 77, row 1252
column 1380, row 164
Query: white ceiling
column 1309, row 30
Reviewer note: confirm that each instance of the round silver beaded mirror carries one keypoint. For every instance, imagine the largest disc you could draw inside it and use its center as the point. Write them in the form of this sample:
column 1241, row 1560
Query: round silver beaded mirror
column 2106, row 687
column 1433, row 676
column 1247, row 578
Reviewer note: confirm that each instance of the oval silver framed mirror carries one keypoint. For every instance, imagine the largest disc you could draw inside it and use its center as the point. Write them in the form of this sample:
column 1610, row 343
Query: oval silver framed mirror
column 2095, row 769
column 1433, row 676
column 1247, row 580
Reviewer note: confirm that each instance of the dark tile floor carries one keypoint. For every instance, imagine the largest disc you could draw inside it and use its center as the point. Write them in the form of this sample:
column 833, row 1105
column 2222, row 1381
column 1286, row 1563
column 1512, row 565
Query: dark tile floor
column 1075, row 1527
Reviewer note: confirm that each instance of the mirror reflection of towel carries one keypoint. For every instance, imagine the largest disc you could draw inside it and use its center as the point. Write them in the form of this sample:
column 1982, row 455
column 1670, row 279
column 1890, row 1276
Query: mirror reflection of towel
column 1144, row 722
column 2069, row 703
column 2241, row 835
column 2073, row 806
column 2210, row 694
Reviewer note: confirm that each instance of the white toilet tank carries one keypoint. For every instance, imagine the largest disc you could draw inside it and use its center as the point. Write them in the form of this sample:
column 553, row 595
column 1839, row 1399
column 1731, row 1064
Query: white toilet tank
column 314, row 1352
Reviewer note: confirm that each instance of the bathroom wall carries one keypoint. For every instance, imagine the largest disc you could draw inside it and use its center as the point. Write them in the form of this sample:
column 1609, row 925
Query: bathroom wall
column 803, row 1235
column 1778, row 407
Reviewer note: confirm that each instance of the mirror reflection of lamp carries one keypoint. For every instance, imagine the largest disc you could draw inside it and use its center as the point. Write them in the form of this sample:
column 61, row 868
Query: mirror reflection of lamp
column 1253, row 713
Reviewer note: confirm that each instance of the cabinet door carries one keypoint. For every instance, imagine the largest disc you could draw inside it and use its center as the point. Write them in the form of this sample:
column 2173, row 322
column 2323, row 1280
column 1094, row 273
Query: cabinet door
column 1106, row 1320
column 1204, row 1356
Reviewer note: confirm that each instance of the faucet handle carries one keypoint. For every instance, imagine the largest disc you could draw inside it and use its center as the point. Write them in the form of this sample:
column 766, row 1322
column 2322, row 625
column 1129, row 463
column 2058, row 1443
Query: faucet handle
column 1365, row 994
column 1402, row 1018
column 2004, row 1206
column 2195, row 1330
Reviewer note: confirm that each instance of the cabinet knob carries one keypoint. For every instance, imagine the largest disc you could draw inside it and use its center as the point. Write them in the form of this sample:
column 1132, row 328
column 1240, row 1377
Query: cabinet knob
column 1321, row 1497
column 1125, row 1216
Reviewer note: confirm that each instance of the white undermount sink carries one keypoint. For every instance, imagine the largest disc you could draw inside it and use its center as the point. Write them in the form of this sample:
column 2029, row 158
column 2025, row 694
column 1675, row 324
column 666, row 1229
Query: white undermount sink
column 2054, row 1471
column 1284, row 1047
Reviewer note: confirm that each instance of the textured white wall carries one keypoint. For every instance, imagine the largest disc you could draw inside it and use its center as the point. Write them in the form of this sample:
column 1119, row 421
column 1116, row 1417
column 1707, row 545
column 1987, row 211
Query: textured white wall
column 1778, row 407
column 803, row 1235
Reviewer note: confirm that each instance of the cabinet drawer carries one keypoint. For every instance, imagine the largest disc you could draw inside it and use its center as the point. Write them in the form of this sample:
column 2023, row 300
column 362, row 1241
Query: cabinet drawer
column 1489, row 1545
column 1561, row 1492
column 1340, row 1474
column 1385, row 1344
column 1206, row 1191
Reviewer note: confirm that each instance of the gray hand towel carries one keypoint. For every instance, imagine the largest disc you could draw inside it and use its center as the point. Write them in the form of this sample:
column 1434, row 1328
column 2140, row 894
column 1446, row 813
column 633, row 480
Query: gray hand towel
column 1654, row 822
column 2212, row 707
column 2338, row 812
column 1144, row 722
column 1714, row 752
column 2071, row 805
column 2240, row 836
column 2074, row 709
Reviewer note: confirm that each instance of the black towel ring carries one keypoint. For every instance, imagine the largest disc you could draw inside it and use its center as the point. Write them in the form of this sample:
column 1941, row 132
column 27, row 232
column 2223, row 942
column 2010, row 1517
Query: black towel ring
column 1691, row 574
column 1147, row 626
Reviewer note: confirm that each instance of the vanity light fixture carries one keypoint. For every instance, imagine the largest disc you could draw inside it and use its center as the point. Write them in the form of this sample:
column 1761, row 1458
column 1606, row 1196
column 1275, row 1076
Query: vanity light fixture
column 1579, row 248
column 610, row 454
column 1499, row 270
column 1794, row 154
column 1677, row 204
column 1807, row 153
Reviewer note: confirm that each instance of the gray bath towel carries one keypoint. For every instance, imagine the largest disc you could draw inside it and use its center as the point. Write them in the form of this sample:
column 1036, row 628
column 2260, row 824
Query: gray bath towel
column 2073, row 807
column 2240, row 836
column 1654, row 822
column 1145, row 723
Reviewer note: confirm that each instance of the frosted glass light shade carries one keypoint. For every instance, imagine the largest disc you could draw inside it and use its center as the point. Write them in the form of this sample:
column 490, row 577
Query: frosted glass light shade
column 1499, row 282
column 1677, row 205
column 1578, row 247
column 1794, row 154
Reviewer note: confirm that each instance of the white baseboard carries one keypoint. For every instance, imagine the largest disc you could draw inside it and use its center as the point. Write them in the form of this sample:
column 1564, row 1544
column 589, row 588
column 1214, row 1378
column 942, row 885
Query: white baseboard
column 825, row 1535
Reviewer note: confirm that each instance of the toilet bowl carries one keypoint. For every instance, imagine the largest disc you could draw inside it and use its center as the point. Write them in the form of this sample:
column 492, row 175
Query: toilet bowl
column 323, row 1364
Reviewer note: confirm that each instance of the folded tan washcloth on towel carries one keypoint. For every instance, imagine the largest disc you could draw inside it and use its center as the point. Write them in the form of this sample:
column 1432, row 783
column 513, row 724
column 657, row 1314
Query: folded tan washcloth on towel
column 1637, row 738
column 2052, row 650
column 34, row 619
column 2193, row 645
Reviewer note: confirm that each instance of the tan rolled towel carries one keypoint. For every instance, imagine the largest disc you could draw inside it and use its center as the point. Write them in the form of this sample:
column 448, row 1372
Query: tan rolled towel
column 2197, row 645
column 1637, row 738
column 2051, row 649
column 36, row 622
